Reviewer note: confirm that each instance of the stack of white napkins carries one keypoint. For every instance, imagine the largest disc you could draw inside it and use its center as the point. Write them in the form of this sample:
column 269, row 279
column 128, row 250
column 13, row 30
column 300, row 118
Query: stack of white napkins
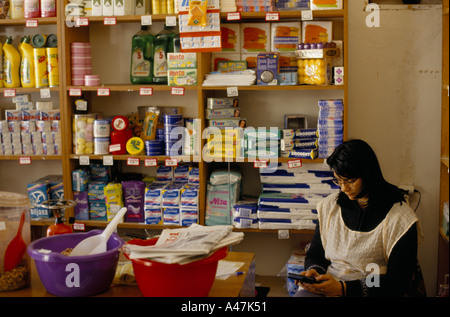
column 186, row 245
column 234, row 78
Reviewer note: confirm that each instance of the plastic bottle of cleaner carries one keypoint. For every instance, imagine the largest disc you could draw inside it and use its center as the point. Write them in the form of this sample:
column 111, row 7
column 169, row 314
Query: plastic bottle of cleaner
column 16, row 9
column 163, row 44
column 141, row 71
column 11, row 64
column 27, row 78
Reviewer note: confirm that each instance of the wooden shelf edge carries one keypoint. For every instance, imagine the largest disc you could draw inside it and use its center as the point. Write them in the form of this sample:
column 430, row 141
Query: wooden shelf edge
column 278, row 87
column 52, row 20
column 445, row 161
column 33, row 157
column 443, row 235
column 129, row 87
column 183, row 158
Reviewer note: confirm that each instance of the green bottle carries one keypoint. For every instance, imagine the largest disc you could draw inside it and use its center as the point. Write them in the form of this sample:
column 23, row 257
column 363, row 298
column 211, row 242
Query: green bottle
column 164, row 43
column 141, row 71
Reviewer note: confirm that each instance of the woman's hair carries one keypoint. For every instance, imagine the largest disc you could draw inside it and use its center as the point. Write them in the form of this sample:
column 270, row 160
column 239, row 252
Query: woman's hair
column 356, row 159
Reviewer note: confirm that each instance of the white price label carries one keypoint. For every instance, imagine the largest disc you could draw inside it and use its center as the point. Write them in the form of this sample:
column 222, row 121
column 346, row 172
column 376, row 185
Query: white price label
column 146, row 20
column 232, row 92
column 294, row 163
column 272, row 16
column 260, row 164
column 233, row 16
column 82, row 21
column 79, row 226
column 84, row 160
column 177, row 91
column 108, row 160
column 103, row 92
column 133, row 161
column 171, row 20
column 31, row 23
column 307, row 15
column 109, row 21
column 146, row 91
column 24, row 160
column 115, row 147
column 171, row 162
column 9, row 92
column 45, row 93
column 75, row 92
column 283, row 234
column 150, row 162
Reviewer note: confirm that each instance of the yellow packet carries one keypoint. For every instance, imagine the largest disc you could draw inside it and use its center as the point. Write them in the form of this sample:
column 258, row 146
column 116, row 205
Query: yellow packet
column 197, row 12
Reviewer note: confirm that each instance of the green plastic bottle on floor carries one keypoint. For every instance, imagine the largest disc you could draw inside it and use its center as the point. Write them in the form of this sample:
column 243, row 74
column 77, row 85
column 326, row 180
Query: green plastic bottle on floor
column 164, row 43
column 141, row 71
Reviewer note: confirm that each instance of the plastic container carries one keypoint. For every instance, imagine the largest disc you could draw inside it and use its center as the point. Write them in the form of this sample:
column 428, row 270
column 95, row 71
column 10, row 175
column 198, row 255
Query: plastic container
column 74, row 276
column 156, row 279
column 16, row 9
column 141, row 70
column 11, row 65
column 48, row 8
column 163, row 45
column 101, row 146
column 84, row 133
column 52, row 66
column 31, row 9
column 40, row 67
column 27, row 77
column 12, row 206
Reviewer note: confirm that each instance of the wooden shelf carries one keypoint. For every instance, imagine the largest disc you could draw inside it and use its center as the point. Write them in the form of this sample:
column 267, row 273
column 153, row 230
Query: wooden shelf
column 33, row 157
column 162, row 158
column 21, row 90
column 22, row 22
column 278, row 87
column 129, row 88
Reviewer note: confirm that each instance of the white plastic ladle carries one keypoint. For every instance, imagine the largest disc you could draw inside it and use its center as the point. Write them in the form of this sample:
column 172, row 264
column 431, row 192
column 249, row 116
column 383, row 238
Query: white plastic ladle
column 97, row 244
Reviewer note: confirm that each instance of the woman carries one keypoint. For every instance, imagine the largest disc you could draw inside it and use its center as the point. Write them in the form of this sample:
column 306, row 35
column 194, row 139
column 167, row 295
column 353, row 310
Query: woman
column 365, row 242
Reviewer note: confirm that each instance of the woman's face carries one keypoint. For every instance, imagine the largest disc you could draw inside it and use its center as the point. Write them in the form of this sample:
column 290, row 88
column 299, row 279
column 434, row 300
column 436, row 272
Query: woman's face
column 352, row 187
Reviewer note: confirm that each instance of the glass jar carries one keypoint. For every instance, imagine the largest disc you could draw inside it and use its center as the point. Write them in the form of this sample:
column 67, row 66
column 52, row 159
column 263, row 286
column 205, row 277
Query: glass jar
column 15, row 234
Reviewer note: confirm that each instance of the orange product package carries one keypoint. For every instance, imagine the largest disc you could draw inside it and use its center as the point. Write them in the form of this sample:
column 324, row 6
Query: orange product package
column 197, row 12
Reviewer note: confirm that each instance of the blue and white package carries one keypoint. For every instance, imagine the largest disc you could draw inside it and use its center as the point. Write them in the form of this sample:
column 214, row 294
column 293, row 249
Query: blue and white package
column 171, row 216
column 181, row 173
column 245, row 208
column 171, row 194
column 242, row 222
column 286, row 200
column 153, row 194
column 153, row 215
column 188, row 216
column 295, row 224
column 38, row 192
column 100, row 173
column 275, row 212
column 194, row 176
column 189, row 196
column 97, row 211
column 301, row 188
column 164, row 173
column 80, row 179
column 96, row 192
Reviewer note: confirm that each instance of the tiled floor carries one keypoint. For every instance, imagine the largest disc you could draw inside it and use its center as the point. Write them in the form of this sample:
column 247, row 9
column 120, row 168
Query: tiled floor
column 276, row 284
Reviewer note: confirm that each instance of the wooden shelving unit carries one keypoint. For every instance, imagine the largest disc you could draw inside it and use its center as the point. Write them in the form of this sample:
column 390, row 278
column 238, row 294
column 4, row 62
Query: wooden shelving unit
column 67, row 34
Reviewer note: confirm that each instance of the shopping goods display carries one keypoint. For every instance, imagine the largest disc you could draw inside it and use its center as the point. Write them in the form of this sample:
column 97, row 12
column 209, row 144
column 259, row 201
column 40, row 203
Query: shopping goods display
column 141, row 70
column 96, row 272
column 15, row 221
column 164, row 44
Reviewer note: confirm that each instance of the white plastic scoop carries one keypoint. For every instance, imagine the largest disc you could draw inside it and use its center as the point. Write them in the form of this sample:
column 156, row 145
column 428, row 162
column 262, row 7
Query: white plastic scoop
column 97, row 244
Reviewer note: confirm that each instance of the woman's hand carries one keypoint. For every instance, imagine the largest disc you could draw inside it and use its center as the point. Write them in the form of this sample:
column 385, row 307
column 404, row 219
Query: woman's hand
column 329, row 286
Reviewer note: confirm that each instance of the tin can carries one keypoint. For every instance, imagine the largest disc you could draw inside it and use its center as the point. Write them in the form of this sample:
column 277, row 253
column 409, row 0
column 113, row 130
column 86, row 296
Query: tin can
column 52, row 66
column 40, row 66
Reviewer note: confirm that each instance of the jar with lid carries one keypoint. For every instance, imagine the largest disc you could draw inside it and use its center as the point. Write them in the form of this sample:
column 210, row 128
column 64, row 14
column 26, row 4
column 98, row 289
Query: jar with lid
column 15, row 235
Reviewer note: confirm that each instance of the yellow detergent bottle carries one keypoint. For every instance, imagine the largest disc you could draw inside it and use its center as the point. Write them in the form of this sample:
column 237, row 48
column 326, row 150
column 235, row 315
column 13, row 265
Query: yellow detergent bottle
column 27, row 77
column 11, row 64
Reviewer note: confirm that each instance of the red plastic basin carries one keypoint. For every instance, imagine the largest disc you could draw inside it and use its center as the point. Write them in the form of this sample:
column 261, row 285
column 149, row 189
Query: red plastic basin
column 156, row 279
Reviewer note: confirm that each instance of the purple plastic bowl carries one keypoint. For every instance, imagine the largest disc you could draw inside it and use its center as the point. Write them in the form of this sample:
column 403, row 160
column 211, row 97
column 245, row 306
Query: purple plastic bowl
column 75, row 276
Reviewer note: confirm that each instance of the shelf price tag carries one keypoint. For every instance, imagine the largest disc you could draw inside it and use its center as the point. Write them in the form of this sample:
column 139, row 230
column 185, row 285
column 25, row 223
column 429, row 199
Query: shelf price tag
column 171, row 162
column 272, row 16
column 75, row 92
column 84, row 160
column 109, row 21
column 146, row 91
column 233, row 16
column 283, row 234
column 146, row 20
column 25, row 160
column 108, row 160
column 103, row 92
column 307, row 15
column 45, row 93
column 79, row 226
column 81, row 21
column 150, row 162
column 133, row 161
column 9, row 92
column 294, row 163
column 31, row 23
column 171, row 20
column 260, row 164
column 232, row 92
column 177, row 91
